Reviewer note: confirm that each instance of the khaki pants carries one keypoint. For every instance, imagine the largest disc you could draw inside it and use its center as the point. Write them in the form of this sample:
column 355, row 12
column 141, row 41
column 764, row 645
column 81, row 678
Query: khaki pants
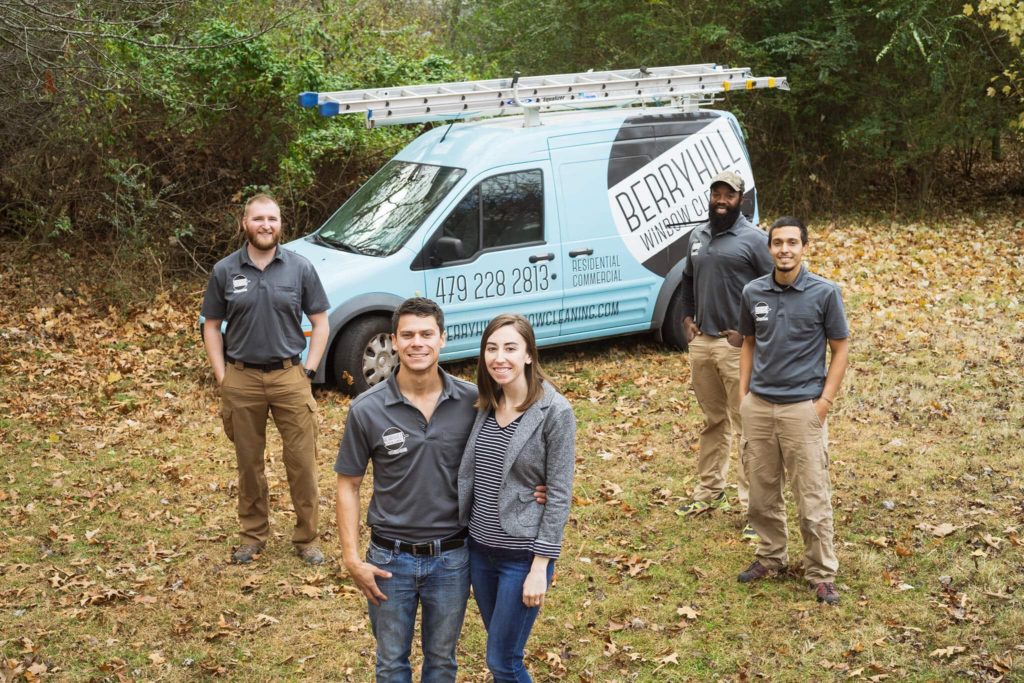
column 715, row 373
column 247, row 396
column 789, row 439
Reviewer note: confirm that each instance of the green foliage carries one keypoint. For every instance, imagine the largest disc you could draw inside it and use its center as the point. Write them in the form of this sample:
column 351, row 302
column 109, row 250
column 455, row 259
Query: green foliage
column 198, row 108
column 151, row 126
column 1006, row 19
column 882, row 95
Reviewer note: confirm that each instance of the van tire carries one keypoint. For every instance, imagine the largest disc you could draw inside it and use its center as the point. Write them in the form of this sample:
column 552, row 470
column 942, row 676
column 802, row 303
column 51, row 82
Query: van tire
column 364, row 355
column 672, row 330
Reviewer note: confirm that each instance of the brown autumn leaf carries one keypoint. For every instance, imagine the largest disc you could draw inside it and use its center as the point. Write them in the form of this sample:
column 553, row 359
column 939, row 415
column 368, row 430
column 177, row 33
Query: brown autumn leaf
column 309, row 591
column 252, row 583
column 634, row 565
column 939, row 531
column 264, row 620
column 610, row 490
column 687, row 613
column 990, row 541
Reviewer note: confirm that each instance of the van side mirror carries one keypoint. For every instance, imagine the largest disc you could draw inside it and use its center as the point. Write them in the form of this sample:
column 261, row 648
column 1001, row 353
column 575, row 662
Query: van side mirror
column 448, row 248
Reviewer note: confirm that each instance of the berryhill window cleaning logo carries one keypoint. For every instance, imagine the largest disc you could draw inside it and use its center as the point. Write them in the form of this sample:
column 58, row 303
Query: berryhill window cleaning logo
column 394, row 441
column 673, row 188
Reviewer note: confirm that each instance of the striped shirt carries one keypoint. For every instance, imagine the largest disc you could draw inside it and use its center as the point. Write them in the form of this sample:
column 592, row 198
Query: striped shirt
column 484, row 525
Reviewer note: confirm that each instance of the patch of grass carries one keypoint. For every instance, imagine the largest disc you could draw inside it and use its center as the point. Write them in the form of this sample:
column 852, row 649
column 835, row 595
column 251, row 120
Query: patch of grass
column 118, row 507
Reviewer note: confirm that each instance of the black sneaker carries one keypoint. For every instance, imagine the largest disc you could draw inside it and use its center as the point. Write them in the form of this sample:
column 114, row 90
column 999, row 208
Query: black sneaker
column 755, row 572
column 827, row 593
column 246, row 553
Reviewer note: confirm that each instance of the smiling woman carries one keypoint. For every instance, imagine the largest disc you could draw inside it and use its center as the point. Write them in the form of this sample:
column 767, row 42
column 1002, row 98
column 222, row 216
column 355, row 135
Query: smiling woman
column 524, row 434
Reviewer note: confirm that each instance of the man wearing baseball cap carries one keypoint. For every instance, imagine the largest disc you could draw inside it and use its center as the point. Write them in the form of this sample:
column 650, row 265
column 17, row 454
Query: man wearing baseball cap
column 724, row 254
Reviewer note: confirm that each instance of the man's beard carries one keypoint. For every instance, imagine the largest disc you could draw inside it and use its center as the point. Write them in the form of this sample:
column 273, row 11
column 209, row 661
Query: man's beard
column 264, row 242
column 722, row 221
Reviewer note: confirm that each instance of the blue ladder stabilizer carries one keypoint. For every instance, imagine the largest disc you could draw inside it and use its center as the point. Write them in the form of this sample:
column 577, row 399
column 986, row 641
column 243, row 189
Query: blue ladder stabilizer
column 308, row 100
column 329, row 109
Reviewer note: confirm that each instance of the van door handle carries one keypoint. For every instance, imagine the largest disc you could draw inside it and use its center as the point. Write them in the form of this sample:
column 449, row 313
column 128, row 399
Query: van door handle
column 542, row 257
column 581, row 252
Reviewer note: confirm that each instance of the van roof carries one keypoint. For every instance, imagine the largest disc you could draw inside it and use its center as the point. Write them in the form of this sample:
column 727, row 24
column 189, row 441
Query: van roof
column 498, row 141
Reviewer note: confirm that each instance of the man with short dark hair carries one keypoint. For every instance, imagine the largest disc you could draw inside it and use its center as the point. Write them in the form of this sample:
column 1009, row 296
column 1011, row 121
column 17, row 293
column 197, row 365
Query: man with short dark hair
column 787, row 319
column 262, row 290
column 724, row 254
column 413, row 427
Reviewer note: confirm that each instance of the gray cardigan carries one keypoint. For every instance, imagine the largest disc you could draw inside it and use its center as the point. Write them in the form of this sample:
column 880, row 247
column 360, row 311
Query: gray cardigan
column 542, row 451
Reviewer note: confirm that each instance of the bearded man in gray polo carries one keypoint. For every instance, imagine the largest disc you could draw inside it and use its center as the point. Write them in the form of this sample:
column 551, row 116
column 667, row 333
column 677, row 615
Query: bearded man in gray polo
column 725, row 254
column 262, row 290
column 787, row 319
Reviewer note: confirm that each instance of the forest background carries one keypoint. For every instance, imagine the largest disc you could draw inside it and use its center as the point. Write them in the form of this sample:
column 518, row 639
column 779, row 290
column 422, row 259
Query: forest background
column 130, row 133
column 135, row 128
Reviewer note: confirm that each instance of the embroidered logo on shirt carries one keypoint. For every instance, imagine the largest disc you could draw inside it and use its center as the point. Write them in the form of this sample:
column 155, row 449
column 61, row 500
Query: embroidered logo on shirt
column 695, row 247
column 240, row 283
column 761, row 311
column 394, row 441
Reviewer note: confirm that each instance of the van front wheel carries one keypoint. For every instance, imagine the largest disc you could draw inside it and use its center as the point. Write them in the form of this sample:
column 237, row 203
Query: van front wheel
column 364, row 355
column 672, row 330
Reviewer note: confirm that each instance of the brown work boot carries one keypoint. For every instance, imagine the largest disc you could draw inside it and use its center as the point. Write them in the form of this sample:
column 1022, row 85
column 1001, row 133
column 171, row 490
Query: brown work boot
column 755, row 572
column 311, row 554
column 246, row 553
column 827, row 593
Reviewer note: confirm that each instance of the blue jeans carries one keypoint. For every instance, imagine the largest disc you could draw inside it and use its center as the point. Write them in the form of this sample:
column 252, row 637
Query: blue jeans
column 441, row 584
column 498, row 576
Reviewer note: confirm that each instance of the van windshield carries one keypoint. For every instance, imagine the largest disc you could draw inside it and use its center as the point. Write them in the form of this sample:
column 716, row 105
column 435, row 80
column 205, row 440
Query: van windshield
column 383, row 213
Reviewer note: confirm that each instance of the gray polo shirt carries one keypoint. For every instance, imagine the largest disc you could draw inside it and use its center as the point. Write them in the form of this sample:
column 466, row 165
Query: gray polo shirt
column 716, row 270
column 264, row 308
column 415, row 462
column 791, row 327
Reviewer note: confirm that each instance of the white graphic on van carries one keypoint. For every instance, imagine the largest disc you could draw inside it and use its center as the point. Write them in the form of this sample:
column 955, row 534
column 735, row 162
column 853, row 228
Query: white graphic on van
column 394, row 441
column 596, row 270
column 538, row 319
column 673, row 188
column 761, row 311
column 490, row 284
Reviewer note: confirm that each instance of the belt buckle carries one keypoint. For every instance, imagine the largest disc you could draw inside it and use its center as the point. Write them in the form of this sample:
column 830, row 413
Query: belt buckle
column 423, row 549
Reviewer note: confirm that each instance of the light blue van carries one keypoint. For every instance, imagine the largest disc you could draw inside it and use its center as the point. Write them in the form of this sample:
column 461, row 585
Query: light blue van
column 576, row 223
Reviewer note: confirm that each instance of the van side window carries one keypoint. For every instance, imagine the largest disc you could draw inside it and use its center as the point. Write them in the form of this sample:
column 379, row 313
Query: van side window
column 503, row 210
column 464, row 222
column 513, row 208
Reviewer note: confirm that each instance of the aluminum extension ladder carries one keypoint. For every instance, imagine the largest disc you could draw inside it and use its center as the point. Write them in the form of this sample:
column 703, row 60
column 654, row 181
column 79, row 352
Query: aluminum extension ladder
column 686, row 86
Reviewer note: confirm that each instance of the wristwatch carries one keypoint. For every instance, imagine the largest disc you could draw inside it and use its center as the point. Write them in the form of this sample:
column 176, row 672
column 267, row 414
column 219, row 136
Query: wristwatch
column 310, row 374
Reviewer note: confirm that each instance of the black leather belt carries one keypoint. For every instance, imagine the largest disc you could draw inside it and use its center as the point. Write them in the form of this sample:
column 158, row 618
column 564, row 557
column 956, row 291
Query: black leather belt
column 265, row 367
column 450, row 543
